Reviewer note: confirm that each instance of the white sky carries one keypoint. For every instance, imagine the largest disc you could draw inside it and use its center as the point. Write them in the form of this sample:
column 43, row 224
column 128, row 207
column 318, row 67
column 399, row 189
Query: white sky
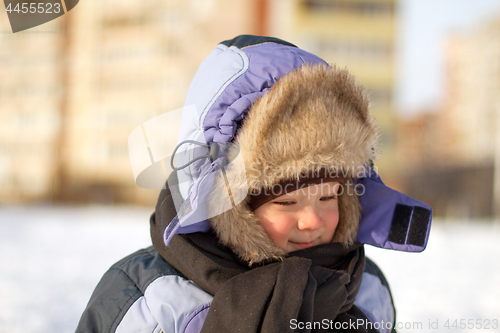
column 423, row 28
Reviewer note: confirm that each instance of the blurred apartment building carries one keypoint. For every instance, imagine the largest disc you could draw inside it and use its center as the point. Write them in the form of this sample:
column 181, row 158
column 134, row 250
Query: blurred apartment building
column 72, row 90
column 30, row 100
column 450, row 156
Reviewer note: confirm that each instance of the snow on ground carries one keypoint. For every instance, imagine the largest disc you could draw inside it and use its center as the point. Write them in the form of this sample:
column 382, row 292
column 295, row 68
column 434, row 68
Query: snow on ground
column 456, row 277
column 51, row 258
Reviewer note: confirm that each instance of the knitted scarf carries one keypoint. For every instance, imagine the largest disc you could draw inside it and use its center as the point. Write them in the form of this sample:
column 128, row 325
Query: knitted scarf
column 315, row 286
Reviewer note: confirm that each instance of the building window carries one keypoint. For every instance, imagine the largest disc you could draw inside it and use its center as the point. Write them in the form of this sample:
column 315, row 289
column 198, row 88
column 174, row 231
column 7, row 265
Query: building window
column 355, row 7
column 356, row 49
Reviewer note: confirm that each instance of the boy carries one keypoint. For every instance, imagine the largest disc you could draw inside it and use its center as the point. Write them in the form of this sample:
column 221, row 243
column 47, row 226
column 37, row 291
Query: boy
column 262, row 229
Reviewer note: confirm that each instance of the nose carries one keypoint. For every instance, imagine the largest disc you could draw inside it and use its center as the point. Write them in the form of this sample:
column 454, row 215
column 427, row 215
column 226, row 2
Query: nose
column 309, row 219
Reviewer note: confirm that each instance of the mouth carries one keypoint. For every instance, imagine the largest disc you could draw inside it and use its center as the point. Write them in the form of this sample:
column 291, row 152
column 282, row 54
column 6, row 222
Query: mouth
column 303, row 245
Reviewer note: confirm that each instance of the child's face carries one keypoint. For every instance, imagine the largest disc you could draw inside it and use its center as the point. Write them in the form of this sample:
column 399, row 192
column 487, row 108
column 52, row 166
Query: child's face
column 303, row 218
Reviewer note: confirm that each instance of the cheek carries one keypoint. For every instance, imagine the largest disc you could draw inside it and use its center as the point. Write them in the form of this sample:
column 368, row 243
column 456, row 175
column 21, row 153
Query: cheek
column 278, row 228
column 331, row 223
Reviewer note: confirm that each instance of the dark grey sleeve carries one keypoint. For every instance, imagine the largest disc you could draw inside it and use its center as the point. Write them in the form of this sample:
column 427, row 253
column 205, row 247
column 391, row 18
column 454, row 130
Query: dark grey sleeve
column 111, row 299
column 119, row 288
column 375, row 300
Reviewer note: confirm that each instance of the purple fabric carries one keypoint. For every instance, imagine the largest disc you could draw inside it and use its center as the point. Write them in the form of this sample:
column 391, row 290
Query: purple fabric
column 195, row 169
column 267, row 63
column 194, row 322
column 193, row 215
column 378, row 202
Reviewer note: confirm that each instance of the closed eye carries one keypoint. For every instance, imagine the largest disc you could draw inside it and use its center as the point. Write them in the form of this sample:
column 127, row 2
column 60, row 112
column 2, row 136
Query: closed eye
column 333, row 197
column 284, row 203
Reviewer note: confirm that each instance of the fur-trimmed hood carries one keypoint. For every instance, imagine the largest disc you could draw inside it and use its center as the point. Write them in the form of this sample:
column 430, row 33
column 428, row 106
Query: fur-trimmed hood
column 261, row 110
column 314, row 117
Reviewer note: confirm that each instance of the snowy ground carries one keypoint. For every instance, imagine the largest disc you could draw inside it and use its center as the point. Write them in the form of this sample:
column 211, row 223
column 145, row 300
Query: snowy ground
column 51, row 258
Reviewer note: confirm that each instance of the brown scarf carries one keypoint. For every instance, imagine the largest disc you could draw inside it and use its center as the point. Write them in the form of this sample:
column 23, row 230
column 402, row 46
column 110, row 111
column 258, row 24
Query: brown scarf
column 313, row 285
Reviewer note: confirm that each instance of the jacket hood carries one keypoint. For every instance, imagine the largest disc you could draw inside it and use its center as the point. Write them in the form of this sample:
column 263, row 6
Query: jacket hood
column 313, row 118
column 287, row 90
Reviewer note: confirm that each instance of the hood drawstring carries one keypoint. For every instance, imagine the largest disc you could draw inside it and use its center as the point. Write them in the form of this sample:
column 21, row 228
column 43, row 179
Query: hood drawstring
column 212, row 155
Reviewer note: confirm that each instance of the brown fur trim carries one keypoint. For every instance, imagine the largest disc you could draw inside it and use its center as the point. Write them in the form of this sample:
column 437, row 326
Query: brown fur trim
column 313, row 117
column 349, row 215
